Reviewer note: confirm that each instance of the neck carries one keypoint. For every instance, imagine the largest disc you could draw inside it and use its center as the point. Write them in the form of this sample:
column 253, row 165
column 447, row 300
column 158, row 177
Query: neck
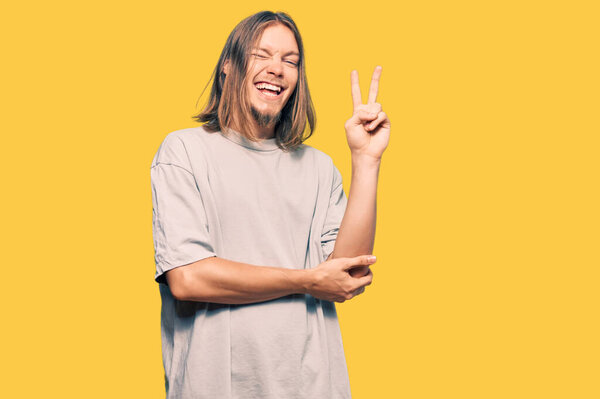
column 265, row 132
column 262, row 132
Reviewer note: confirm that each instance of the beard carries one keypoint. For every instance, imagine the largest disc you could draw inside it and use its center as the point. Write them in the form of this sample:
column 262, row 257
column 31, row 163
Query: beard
column 264, row 120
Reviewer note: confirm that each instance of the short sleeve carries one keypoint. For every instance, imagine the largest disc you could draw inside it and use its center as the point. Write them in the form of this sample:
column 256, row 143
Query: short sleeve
column 335, row 213
column 179, row 222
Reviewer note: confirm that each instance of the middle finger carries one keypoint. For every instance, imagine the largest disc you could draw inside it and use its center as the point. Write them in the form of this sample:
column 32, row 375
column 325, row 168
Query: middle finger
column 374, row 85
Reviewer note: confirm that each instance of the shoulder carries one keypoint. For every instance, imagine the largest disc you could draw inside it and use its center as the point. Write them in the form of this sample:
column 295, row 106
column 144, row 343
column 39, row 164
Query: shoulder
column 176, row 146
column 322, row 159
column 324, row 162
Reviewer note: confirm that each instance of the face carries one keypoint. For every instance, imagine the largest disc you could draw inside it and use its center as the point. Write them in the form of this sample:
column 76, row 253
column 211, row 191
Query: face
column 272, row 72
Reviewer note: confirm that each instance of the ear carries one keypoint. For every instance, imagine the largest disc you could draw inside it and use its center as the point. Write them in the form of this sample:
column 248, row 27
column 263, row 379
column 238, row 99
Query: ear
column 226, row 67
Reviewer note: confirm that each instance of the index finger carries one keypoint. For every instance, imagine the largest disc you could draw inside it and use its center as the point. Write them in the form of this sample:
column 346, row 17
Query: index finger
column 356, row 96
column 361, row 260
column 374, row 85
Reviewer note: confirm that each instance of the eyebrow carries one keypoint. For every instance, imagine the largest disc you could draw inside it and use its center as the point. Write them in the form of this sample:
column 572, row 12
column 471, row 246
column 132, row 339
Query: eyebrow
column 285, row 55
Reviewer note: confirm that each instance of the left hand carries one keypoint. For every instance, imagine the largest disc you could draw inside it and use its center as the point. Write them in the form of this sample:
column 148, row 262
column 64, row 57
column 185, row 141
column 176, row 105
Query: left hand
column 368, row 130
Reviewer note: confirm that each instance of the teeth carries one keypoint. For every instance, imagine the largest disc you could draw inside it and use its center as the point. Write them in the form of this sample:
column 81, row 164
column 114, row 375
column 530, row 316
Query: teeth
column 268, row 86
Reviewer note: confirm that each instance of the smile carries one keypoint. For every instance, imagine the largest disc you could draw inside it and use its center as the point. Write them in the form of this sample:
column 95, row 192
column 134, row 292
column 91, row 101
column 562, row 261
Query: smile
column 269, row 90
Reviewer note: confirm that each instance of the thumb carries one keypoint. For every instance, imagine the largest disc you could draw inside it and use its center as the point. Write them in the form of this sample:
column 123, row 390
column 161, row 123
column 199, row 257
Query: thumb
column 363, row 116
column 362, row 260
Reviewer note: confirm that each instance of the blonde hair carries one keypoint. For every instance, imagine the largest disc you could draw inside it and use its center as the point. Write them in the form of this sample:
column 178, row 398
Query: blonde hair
column 228, row 103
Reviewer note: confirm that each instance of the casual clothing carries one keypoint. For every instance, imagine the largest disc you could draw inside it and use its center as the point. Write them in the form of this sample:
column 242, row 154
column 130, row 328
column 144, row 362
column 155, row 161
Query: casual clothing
column 219, row 194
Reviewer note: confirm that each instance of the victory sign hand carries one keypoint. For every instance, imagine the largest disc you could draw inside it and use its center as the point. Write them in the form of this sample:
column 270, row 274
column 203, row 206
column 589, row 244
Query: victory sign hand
column 368, row 130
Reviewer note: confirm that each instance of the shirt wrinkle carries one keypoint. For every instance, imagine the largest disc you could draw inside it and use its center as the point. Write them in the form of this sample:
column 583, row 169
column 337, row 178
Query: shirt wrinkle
column 240, row 205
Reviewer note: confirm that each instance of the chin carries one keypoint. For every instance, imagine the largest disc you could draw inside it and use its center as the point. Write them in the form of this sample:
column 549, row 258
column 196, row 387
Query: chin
column 268, row 111
column 265, row 118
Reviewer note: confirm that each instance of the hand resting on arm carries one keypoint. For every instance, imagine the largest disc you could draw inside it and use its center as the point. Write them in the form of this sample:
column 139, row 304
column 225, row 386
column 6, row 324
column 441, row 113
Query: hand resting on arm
column 219, row 280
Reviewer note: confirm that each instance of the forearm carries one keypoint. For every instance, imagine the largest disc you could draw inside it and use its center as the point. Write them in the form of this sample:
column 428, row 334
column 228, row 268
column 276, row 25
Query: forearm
column 356, row 235
column 219, row 280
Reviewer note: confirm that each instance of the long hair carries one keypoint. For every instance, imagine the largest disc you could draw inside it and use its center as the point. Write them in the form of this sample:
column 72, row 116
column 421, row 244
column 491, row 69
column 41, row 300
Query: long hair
column 228, row 103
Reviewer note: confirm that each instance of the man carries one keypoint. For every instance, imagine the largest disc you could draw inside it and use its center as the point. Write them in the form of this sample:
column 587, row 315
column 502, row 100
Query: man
column 254, row 236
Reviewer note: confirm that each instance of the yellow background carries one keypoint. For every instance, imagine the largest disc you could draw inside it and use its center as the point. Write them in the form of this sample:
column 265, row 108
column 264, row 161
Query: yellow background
column 488, row 223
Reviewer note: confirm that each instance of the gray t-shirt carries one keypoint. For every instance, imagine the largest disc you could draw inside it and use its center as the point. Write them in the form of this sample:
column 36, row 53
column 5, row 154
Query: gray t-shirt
column 219, row 194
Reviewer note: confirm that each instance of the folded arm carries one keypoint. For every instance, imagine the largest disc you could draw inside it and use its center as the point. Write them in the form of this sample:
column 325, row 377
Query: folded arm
column 219, row 280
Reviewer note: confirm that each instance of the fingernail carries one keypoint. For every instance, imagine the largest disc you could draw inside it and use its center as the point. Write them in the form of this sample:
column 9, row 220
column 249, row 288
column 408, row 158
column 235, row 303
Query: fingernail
column 372, row 258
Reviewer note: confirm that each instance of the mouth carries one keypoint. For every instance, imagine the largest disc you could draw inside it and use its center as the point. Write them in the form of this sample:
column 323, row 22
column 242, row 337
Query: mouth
column 269, row 90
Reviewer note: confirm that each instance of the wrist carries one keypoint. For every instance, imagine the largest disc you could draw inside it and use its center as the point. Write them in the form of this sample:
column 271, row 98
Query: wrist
column 303, row 280
column 364, row 160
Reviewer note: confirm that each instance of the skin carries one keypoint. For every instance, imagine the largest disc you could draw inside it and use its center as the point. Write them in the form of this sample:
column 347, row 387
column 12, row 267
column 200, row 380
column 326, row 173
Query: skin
column 368, row 135
column 346, row 272
column 274, row 60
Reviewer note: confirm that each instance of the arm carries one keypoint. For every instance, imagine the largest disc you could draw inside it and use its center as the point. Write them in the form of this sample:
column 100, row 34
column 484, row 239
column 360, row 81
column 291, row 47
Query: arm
column 356, row 235
column 219, row 280
column 368, row 132
column 180, row 236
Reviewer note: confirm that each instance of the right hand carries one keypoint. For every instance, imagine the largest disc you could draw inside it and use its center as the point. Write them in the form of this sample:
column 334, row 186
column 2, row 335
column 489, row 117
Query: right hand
column 331, row 280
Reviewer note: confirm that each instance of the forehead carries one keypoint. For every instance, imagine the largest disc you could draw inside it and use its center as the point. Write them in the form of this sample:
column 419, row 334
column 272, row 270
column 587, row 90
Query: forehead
column 278, row 38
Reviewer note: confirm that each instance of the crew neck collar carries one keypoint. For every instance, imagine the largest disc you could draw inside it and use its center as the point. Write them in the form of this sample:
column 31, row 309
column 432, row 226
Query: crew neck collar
column 238, row 138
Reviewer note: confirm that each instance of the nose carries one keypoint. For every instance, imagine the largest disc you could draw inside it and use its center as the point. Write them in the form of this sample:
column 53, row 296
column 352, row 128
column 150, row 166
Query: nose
column 275, row 66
